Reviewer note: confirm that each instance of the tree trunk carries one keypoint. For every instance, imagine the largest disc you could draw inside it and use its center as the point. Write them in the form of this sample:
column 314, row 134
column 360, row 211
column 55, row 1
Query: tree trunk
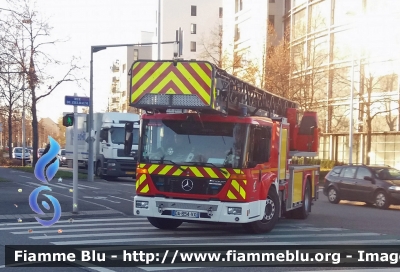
column 9, row 120
column 34, row 129
column 369, row 139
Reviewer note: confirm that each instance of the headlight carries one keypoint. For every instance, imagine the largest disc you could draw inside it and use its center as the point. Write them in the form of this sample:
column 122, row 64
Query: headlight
column 394, row 188
column 234, row 210
column 142, row 204
column 64, row 158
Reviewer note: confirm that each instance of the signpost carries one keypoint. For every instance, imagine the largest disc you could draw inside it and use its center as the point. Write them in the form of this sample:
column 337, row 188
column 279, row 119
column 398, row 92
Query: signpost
column 75, row 101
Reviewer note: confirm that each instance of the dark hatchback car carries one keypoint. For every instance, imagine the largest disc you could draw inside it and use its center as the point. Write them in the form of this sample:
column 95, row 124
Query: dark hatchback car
column 379, row 185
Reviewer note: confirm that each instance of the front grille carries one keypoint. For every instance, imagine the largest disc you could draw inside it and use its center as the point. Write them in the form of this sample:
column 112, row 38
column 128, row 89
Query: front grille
column 188, row 185
column 121, row 153
column 127, row 165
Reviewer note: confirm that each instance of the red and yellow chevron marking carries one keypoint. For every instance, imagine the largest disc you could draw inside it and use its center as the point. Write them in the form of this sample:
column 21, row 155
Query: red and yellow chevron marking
column 165, row 78
column 141, row 184
column 189, row 171
column 236, row 190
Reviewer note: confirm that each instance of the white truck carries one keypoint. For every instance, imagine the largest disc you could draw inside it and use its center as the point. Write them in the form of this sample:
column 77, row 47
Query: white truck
column 109, row 158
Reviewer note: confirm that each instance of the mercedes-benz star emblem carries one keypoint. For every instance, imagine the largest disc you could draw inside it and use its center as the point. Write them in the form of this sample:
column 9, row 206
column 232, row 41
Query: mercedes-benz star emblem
column 187, row 185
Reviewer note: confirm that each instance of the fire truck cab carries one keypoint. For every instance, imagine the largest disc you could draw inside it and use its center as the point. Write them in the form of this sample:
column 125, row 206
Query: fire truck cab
column 214, row 148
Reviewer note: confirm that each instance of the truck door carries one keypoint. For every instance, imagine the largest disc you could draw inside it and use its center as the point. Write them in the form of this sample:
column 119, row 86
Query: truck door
column 104, row 139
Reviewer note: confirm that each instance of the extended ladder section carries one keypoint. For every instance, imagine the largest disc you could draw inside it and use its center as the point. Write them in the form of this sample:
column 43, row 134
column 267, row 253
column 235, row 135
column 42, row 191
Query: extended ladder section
column 157, row 86
column 199, row 85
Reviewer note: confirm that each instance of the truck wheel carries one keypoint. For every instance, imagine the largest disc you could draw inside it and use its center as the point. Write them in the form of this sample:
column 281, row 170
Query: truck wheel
column 164, row 223
column 304, row 211
column 271, row 215
column 99, row 170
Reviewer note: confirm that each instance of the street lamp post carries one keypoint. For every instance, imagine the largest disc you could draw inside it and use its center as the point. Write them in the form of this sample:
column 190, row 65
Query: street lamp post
column 94, row 49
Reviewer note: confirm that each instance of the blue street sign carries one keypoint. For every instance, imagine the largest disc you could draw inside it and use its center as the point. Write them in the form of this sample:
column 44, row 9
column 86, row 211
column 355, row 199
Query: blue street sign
column 77, row 101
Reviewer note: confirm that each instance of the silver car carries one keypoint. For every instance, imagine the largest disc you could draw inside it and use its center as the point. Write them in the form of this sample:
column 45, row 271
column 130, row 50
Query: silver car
column 17, row 154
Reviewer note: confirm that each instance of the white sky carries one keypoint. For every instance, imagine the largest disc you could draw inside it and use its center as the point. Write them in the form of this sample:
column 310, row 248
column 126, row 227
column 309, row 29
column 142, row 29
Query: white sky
column 92, row 22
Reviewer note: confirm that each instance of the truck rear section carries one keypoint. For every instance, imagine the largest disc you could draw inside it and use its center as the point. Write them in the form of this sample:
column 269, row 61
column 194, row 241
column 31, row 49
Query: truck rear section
column 223, row 153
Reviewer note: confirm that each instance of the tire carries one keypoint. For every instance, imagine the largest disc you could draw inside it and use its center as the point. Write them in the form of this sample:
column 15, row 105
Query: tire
column 333, row 195
column 304, row 211
column 271, row 215
column 382, row 200
column 164, row 223
column 98, row 170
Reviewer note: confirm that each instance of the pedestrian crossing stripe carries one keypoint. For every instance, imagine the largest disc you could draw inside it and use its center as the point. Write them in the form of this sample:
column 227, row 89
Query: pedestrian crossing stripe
column 125, row 230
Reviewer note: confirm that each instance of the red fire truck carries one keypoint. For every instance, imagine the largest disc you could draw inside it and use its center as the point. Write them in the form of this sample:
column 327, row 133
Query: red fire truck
column 214, row 148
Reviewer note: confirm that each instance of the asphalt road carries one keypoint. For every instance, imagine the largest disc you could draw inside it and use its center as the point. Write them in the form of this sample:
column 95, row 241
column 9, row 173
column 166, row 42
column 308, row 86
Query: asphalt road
column 105, row 218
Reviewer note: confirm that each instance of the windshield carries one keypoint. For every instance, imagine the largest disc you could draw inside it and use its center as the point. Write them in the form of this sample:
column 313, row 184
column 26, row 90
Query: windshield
column 63, row 152
column 118, row 135
column 193, row 143
column 386, row 173
column 19, row 150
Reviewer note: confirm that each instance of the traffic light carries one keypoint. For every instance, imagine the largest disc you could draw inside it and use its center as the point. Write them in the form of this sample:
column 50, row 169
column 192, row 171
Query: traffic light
column 68, row 120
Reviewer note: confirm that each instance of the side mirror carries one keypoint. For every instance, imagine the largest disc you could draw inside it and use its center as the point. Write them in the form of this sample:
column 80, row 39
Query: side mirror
column 369, row 179
column 128, row 138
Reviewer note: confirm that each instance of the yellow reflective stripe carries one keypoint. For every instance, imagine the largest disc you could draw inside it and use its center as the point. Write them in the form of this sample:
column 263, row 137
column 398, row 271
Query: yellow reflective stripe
column 141, row 165
column 165, row 170
column 245, row 181
column 138, row 77
column 194, row 82
column 237, row 171
column 141, row 180
column 211, row 173
column 170, row 77
column 239, row 188
column 235, row 185
column 226, row 171
column 196, row 172
column 152, row 168
column 201, row 73
column 148, row 82
column 230, row 195
column 145, row 189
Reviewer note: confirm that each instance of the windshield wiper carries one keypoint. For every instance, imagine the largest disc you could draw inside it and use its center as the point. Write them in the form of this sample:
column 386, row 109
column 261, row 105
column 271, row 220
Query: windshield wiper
column 172, row 162
column 211, row 164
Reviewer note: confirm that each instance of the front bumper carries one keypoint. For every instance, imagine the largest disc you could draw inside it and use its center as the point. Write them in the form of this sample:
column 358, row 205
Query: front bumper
column 120, row 168
column 211, row 211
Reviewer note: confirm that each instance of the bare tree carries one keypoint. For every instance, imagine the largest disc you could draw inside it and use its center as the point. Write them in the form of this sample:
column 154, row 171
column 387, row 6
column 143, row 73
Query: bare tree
column 235, row 63
column 33, row 59
column 376, row 100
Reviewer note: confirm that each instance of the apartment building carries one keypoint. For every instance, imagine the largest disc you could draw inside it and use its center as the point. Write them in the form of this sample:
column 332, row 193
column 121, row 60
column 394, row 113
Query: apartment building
column 199, row 20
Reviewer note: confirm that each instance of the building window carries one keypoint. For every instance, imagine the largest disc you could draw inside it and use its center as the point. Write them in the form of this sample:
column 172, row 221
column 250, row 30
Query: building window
column 221, row 11
column 135, row 54
column 272, row 1
column 193, row 28
column 192, row 46
column 237, row 32
column 238, row 5
column 193, row 10
column 271, row 20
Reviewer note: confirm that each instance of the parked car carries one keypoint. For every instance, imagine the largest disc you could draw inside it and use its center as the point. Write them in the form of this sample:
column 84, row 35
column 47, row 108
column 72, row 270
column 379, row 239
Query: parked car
column 61, row 157
column 17, row 153
column 379, row 185
column 40, row 152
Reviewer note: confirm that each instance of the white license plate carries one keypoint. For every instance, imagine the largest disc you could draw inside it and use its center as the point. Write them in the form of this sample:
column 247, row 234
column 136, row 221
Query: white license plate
column 185, row 214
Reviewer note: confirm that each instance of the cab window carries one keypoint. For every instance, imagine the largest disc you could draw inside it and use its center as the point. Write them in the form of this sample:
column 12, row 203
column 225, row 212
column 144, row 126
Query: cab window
column 259, row 145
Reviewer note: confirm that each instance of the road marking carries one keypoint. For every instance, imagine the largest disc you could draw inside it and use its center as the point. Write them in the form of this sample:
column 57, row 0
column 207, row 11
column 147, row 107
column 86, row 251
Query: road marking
column 79, row 220
column 247, row 237
column 89, row 187
column 102, row 198
column 131, row 185
column 75, row 225
column 122, row 198
column 2, row 266
column 25, row 177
